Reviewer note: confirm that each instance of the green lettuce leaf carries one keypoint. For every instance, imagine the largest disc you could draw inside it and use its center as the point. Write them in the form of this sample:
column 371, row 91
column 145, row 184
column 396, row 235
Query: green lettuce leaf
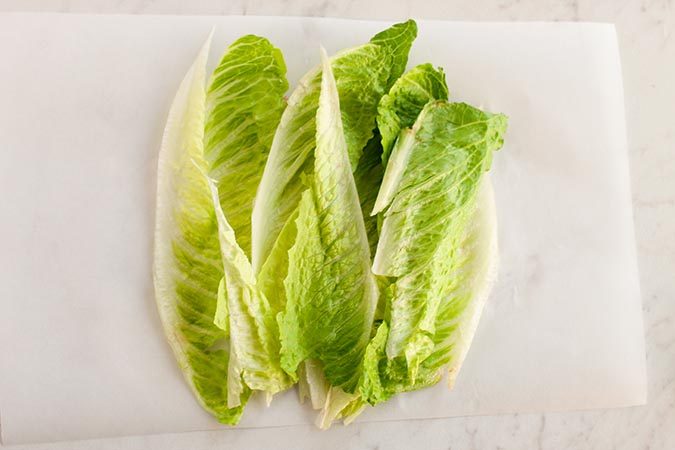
column 244, row 104
column 254, row 341
column 398, row 109
column 331, row 292
column 368, row 177
column 401, row 106
column 187, row 260
column 438, row 165
column 363, row 75
column 456, row 321
column 428, row 197
column 397, row 41
column 460, row 310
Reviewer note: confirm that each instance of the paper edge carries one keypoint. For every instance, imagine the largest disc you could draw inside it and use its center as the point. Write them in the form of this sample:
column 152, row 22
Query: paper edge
column 2, row 441
column 558, row 24
column 358, row 421
column 632, row 246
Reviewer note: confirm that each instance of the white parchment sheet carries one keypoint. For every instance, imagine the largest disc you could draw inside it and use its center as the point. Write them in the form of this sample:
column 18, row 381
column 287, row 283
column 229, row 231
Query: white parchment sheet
column 83, row 100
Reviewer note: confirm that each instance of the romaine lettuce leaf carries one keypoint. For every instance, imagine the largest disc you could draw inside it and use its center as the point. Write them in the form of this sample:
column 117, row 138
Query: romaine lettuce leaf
column 254, row 342
column 438, row 165
column 460, row 310
column 331, row 292
column 401, row 106
column 398, row 109
column 187, row 260
column 363, row 75
column 368, row 177
column 397, row 41
column 456, row 320
column 244, row 104
column 428, row 197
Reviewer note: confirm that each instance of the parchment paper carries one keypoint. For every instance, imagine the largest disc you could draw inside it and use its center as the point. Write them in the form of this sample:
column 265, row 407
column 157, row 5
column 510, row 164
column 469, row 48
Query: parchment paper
column 83, row 100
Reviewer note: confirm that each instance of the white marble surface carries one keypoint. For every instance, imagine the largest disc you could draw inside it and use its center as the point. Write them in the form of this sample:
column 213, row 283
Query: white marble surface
column 648, row 49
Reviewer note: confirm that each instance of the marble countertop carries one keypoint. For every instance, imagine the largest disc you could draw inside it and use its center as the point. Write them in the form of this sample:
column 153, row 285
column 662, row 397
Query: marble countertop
column 645, row 30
